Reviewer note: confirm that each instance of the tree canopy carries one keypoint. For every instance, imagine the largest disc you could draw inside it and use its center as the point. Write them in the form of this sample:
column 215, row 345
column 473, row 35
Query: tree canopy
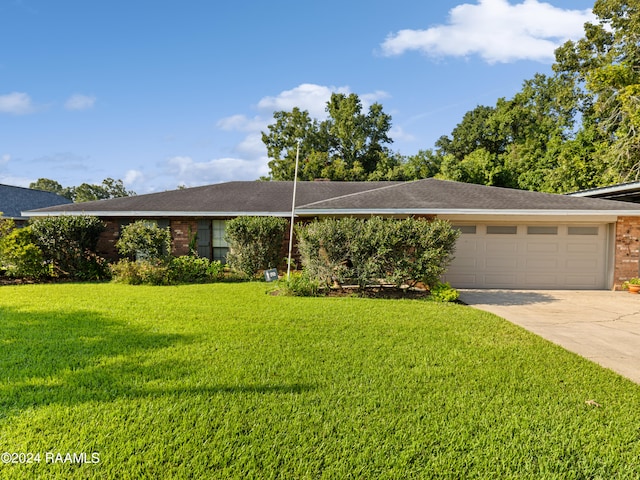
column 348, row 145
column 85, row 192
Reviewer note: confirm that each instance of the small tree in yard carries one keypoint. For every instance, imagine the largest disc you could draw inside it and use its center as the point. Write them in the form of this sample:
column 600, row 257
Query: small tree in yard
column 255, row 243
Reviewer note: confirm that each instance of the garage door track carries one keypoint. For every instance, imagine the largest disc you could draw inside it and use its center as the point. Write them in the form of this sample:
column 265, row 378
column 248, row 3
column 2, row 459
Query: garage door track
column 602, row 326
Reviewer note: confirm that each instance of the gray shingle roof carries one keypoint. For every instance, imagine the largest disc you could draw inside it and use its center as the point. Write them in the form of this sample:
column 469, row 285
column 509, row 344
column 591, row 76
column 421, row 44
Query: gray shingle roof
column 232, row 198
column 441, row 195
column 14, row 200
column 274, row 198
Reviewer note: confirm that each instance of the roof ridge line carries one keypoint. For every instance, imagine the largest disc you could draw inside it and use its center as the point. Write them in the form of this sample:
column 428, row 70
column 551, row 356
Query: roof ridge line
column 357, row 193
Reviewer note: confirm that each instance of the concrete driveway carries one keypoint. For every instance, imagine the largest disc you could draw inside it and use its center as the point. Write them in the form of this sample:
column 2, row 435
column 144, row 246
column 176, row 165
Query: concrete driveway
column 602, row 326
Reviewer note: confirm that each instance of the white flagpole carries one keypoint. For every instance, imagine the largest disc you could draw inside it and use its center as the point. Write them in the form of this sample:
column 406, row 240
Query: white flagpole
column 293, row 210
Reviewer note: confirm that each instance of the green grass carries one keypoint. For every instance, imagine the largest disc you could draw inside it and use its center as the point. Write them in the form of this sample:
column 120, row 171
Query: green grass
column 224, row 381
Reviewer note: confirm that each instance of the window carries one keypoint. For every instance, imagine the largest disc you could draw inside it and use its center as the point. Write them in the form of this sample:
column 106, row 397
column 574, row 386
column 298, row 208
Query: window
column 502, row 229
column 583, row 230
column 219, row 244
column 465, row 229
column 539, row 230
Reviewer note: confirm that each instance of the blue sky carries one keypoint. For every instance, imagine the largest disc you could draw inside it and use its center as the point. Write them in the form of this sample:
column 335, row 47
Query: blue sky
column 176, row 92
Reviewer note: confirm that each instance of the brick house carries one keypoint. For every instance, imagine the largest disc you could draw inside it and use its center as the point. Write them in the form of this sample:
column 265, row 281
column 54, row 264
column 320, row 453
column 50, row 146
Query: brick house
column 509, row 238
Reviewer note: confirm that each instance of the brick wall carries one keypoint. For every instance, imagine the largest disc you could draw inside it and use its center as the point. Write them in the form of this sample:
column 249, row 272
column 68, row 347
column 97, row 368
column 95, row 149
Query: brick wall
column 627, row 254
column 107, row 242
column 181, row 232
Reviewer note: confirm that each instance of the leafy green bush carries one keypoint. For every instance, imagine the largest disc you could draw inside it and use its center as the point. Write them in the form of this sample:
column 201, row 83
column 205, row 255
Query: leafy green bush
column 443, row 292
column 19, row 257
column 184, row 269
column 376, row 250
column 192, row 269
column 144, row 241
column 299, row 284
column 255, row 243
column 69, row 244
column 140, row 272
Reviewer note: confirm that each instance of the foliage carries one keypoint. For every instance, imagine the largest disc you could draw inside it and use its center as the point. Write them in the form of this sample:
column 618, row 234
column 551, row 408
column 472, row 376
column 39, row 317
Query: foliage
column 376, row 250
column 173, row 271
column 141, row 240
column 109, row 188
column 631, row 281
column 140, row 272
column 255, row 243
column 193, row 269
column 443, row 292
column 19, row 257
column 69, row 244
column 222, row 381
column 349, row 145
column 299, row 284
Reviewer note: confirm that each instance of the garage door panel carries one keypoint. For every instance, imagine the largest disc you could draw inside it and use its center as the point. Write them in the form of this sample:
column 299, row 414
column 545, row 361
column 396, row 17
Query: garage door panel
column 582, row 281
column 502, row 263
column 581, row 248
column 569, row 256
column 546, row 263
column 500, row 280
column 546, row 280
column 582, row 265
column 540, row 247
column 501, row 247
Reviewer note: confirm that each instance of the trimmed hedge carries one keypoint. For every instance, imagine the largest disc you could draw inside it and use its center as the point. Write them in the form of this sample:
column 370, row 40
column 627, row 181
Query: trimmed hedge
column 376, row 251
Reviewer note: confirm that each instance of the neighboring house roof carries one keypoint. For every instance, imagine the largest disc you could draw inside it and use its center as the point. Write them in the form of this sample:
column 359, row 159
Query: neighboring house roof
column 624, row 192
column 14, row 200
column 428, row 196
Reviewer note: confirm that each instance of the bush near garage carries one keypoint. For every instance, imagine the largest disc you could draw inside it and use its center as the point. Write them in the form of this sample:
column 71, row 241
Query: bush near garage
column 376, row 251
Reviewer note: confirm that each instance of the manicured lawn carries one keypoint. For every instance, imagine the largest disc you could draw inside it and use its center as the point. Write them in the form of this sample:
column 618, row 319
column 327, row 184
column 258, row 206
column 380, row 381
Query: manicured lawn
column 224, row 381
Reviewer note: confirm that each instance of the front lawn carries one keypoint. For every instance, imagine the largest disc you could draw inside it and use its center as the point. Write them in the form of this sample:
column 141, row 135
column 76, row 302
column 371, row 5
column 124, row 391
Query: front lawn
column 224, row 381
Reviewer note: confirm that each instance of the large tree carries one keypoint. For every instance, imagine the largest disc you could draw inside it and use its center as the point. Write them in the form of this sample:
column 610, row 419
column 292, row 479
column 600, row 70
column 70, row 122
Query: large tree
column 348, row 145
column 606, row 64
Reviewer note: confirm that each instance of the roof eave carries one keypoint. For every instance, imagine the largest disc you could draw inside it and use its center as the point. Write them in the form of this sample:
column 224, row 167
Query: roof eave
column 153, row 213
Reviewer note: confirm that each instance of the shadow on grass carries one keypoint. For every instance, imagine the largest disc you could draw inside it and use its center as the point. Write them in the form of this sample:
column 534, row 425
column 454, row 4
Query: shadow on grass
column 73, row 357
column 504, row 297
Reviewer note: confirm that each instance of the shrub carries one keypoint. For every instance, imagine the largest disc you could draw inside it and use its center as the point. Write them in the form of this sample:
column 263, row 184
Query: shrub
column 140, row 272
column 376, row 250
column 184, row 269
column 443, row 292
column 143, row 241
column 69, row 243
column 299, row 284
column 255, row 243
column 19, row 257
column 192, row 269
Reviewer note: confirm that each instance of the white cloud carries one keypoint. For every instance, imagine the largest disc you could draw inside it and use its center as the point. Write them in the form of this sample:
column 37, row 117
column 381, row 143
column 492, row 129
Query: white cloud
column 80, row 102
column 496, row 31
column 242, row 123
column 133, row 176
column 16, row 103
column 306, row 96
column 189, row 172
column 5, row 159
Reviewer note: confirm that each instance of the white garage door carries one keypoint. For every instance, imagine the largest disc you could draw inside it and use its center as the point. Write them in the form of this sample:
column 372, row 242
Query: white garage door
column 530, row 256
